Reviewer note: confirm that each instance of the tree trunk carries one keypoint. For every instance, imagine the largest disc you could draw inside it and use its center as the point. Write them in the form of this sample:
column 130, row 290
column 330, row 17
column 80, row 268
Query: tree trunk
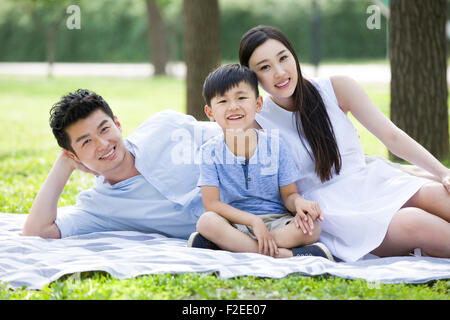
column 156, row 38
column 50, row 51
column 201, row 49
column 417, row 44
column 315, row 26
column 50, row 36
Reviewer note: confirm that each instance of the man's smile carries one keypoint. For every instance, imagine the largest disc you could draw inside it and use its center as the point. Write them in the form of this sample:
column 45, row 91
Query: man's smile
column 110, row 155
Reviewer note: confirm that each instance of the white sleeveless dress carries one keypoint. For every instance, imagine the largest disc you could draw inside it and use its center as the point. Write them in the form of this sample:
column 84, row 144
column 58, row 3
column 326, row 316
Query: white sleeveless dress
column 359, row 203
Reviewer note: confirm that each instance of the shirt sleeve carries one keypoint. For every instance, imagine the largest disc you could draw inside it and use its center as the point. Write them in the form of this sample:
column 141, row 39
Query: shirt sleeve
column 208, row 169
column 72, row 220
column 288, row 171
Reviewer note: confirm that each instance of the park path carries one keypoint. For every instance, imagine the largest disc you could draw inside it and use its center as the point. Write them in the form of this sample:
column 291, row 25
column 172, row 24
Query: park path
column 366, row 73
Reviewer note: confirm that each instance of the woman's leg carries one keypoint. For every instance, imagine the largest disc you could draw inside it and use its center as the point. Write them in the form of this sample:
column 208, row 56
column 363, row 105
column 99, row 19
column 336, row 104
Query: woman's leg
column 433, row 198
column 412, row 228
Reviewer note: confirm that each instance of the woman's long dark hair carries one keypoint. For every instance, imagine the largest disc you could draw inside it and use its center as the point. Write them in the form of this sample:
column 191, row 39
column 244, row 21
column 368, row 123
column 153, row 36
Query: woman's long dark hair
column 311, row 116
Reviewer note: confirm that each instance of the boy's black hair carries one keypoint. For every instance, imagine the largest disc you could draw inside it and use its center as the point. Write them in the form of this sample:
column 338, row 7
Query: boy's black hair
column 71, row 108
column 226, row 77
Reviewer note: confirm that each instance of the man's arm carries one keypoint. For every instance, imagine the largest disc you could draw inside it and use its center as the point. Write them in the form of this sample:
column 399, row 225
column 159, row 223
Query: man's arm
column 41, row 219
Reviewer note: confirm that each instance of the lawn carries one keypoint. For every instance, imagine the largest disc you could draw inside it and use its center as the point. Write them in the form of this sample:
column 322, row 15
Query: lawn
column 27, row 152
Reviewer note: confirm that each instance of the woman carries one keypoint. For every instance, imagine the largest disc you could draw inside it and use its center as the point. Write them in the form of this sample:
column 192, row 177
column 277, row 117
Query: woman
column 369, row 208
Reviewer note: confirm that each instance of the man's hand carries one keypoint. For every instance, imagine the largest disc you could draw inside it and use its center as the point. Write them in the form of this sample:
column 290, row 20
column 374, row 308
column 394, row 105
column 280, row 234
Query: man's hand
column 69, row 158
column 266, row 243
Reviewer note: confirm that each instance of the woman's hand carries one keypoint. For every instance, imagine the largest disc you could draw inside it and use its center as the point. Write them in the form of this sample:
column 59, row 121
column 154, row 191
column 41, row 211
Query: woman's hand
column 445, row 180
column 307, row 212
column 266, row 243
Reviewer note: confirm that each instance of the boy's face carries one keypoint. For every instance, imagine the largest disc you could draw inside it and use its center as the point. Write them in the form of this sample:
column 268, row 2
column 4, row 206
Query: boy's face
column 97, row 142
column 236, row 108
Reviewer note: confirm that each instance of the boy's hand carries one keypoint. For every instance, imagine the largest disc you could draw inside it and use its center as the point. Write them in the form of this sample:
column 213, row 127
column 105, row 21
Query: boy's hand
column 266, row 243
column 307, row 212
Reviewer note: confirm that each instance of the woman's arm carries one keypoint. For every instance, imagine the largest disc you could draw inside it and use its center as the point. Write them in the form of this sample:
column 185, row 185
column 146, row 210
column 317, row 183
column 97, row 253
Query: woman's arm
column 305, row 211
column 352, row 98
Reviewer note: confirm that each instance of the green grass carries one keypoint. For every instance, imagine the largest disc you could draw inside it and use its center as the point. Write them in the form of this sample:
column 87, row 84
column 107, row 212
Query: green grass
column 27, row 152
column 98, row 285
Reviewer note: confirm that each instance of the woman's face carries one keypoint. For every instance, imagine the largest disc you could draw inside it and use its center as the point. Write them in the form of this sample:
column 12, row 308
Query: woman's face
column 276, row 70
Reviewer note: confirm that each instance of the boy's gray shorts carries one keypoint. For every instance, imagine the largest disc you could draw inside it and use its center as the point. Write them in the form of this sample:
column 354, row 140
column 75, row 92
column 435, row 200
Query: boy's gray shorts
column 272, row 221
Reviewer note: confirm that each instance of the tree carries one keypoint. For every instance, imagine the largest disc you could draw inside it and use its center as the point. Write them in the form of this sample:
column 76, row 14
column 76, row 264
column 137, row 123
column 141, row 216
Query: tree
column 156, row 37
column 417, row 49
column 201, row 49
column 315, row 36
column 47, row 17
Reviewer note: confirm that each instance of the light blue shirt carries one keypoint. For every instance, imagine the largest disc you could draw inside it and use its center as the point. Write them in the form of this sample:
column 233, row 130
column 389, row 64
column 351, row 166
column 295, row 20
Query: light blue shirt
column 250, row 185
column 164, row 198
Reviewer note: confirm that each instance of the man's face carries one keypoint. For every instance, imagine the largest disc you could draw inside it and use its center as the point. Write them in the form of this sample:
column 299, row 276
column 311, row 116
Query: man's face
column 97, row 142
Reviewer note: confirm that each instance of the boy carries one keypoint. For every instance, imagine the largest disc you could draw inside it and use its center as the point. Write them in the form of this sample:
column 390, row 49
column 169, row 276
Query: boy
column 248, row 179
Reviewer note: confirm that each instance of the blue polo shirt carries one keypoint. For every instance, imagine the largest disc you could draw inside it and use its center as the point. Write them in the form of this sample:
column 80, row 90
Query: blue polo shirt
column 250, row 185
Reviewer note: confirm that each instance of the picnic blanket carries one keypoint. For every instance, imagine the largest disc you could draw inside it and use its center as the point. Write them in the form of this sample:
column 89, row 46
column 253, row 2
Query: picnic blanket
column 34, row 262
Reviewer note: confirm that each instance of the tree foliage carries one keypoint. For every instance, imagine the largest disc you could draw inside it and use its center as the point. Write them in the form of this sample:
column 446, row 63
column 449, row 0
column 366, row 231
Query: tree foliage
column 116, row 30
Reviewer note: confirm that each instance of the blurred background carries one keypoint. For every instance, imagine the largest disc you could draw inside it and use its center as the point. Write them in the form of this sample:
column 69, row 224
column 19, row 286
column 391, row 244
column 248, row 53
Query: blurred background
column 119, row 30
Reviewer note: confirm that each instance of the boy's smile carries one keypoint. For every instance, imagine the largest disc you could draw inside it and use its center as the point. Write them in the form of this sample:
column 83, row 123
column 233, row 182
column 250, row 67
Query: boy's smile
column 236, row 108
column 235, row 117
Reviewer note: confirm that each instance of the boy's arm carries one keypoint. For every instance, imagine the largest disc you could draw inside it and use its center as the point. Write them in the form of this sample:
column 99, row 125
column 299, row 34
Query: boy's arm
column 40, row 220
column 211, row 202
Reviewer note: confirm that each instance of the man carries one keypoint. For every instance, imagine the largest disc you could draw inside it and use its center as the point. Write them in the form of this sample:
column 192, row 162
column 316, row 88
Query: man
column 141, row 184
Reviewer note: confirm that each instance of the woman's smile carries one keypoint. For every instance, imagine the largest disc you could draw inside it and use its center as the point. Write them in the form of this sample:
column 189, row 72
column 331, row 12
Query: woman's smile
column 283, row 84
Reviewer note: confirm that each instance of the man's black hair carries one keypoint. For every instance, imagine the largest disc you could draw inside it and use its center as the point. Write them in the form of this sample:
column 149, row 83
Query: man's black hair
column 71, row 108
